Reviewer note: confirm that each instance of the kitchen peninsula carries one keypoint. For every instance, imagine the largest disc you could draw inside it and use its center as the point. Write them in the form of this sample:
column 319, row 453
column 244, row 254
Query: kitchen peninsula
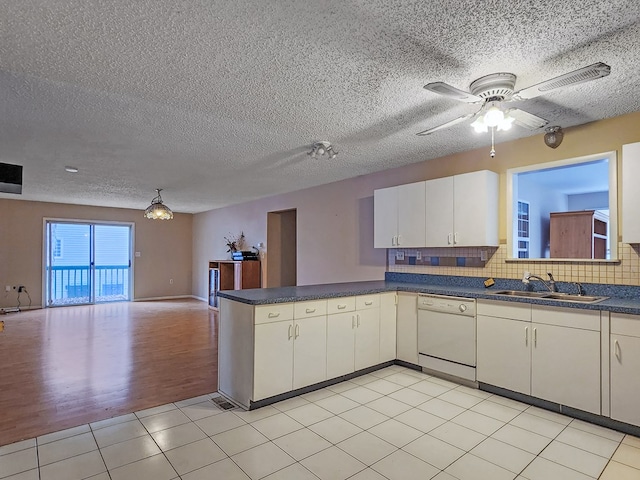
column 281, row 342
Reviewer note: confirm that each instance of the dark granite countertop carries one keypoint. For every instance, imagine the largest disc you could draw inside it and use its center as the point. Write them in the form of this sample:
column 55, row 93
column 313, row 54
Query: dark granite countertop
column 623, row 299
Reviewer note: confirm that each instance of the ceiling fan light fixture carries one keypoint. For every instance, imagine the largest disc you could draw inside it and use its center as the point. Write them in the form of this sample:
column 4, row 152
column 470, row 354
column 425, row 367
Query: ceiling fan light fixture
column 479, row 126
column 158, row 210
column 506, row 123
column 554, row 136
column 494, row 116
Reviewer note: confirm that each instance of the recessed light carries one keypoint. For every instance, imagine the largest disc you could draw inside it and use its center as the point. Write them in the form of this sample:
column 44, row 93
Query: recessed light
column 71, row 169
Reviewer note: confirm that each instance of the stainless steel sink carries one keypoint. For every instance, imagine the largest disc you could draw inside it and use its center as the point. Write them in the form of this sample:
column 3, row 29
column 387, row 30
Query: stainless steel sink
column 520, row 293
column 562, row 297
column 567, row 297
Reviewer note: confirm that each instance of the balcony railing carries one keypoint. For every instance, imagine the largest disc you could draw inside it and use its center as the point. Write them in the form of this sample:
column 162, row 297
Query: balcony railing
column 71, row 285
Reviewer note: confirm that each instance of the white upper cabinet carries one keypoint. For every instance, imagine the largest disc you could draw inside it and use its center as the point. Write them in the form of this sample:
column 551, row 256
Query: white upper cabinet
column 462, row 211
column 630, row 193
column 399, row 216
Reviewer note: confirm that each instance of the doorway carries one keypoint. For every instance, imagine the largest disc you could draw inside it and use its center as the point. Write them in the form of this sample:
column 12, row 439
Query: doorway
column 282, row 248
column 87, row 262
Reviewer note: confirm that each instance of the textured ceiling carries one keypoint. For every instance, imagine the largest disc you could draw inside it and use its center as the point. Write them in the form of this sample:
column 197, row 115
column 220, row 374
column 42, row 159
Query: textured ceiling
column 218, row 102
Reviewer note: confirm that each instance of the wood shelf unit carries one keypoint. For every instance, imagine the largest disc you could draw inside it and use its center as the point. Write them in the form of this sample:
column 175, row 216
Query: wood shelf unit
column 232, row 275
column 580, row 234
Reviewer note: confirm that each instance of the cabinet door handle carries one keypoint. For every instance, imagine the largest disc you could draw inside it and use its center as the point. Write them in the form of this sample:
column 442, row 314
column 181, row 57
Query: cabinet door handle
column 369, row 303
column 617, row 351
column 535, row 337
column 455, row 237
column 399, row 239
column 273, row 315
column 393, row 240
column 526, row 336
column 342, row 307
column 297, row 331
column 450, row 238
column 358, row 316
column 310, row 310
column 290, row 332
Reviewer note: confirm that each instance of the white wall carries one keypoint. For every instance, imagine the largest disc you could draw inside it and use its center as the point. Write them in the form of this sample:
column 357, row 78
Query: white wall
column 589, row 201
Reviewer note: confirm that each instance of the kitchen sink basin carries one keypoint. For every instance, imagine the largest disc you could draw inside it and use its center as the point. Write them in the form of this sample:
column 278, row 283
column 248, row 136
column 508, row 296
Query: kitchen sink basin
column 567, row 297
column 562, row 297
column 520, row 293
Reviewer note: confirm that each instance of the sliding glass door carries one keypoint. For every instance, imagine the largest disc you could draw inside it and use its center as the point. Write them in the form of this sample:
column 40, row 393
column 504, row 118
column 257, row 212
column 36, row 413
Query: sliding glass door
column 87, row 263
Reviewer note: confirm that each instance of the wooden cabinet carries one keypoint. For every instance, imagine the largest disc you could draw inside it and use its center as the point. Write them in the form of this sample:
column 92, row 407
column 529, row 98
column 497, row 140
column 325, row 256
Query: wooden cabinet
column 289, row 347
column 462, row 210
column 388, row 326
column 581, row 234
column 232, row 275
column 353, row 337
column 625, row 365
column 407, row 327
column 553, row 354
column 399, row 216
column 630, row 193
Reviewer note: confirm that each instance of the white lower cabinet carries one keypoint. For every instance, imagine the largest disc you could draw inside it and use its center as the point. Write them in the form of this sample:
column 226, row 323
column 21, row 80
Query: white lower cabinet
column 625, row 365
column 407, row 327
column 353, row 337
column 388, row 326
column 554, row 356
column 503, row 353
column 290, row 354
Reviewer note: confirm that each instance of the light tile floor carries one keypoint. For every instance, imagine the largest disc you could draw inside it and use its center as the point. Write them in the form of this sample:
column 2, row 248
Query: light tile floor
column 393, row 424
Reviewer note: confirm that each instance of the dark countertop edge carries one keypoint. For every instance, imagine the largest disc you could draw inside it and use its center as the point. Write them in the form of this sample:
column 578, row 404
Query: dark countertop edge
column 267, row 296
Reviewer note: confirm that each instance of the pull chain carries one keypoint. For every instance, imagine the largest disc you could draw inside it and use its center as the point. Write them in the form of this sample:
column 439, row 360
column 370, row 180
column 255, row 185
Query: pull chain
column 492, row 153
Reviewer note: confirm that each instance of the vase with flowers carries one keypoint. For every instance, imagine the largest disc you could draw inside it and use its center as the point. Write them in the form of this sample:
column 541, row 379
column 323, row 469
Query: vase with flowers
column 234, row 242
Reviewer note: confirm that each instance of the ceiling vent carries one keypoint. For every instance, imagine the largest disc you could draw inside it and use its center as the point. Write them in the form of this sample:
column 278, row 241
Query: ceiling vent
column 10, row 178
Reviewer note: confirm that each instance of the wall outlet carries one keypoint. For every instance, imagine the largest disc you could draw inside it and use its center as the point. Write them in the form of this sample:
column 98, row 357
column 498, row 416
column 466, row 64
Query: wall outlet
column 137, row 254
column 483, row 255
column 400, row 255
column 171, row 281
column 7, row 288
column 418, row 255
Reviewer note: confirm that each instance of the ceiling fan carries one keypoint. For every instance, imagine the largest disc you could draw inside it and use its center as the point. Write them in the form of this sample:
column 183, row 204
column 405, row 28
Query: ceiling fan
column 494, row 89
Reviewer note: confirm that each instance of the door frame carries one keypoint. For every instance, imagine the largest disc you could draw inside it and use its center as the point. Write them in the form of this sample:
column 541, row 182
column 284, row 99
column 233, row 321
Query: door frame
column 43, row 259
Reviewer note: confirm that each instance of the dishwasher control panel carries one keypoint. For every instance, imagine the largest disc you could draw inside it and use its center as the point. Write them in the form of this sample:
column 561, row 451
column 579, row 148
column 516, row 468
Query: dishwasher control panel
column 452, row 305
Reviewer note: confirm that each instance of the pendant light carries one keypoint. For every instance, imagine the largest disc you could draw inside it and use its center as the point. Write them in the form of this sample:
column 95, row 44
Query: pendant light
column 158, row 210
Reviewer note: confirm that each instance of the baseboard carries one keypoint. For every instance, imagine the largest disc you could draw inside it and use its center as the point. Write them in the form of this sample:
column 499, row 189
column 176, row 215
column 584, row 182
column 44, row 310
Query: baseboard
column 202, row 299
column 22, row 308
column 151, row 299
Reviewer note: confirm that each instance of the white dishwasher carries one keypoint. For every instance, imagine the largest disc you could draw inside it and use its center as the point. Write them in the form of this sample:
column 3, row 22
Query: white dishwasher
column 447, row 335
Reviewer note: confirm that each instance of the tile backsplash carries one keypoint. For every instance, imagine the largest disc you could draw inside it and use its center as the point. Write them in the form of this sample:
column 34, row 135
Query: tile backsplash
column 471, row 262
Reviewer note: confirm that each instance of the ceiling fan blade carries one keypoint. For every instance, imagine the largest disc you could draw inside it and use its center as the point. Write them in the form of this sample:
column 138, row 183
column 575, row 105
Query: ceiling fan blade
column 584, row 74
column 526, row 119
column 447, row 90
column 447, row 125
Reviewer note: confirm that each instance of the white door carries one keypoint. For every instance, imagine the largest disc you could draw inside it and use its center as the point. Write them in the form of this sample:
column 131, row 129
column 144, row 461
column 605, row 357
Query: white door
column 387, row 326
column 367, row 344
column 340, row 343
column 625, row 378
column 439, row 212
column 407, row 328
column 504, row 354
column 309, row 351
column 411, row 215
column 475, row 214
column 565, row 366
column 273, row 359
column 385, row 217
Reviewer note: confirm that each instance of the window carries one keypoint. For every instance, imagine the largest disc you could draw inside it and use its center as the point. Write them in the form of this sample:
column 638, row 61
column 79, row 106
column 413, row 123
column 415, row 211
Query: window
column 570, row 187
column 523, row 229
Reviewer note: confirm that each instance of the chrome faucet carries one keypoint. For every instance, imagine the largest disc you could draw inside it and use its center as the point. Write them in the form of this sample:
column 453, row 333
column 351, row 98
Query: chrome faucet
column 550, row 285
column 579, row 287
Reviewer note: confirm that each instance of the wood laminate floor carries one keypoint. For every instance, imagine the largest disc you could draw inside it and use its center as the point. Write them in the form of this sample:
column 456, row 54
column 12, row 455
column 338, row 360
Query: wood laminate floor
column 62, row 367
